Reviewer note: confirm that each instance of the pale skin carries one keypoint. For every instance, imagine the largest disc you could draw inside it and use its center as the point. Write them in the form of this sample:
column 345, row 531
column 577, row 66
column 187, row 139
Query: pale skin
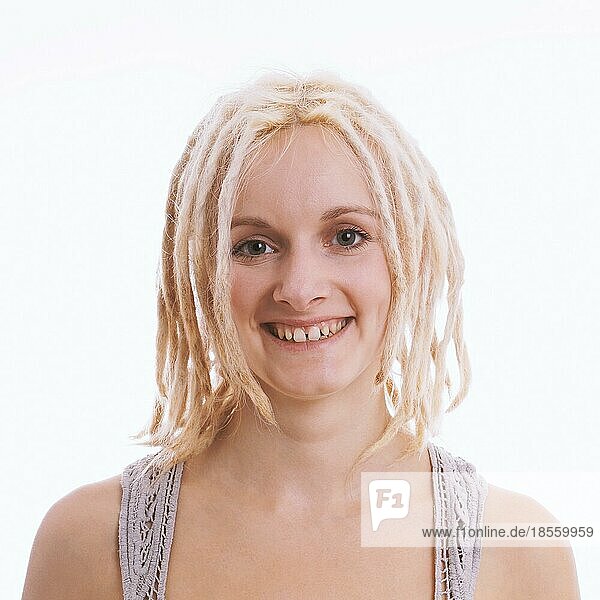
column 266, row 514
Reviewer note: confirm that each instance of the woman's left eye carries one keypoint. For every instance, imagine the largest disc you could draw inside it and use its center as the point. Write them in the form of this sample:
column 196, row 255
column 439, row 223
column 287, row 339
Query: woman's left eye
column 345, row 236
column 348, row 234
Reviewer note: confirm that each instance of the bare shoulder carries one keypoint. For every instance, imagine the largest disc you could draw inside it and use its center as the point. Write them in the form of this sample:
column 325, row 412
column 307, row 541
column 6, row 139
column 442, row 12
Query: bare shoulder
column 506, row 504
column 75, row 553
column 521, row 571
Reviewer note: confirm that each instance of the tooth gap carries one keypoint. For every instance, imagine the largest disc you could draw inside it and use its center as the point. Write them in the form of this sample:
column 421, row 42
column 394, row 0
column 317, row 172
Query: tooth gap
column 273, row 332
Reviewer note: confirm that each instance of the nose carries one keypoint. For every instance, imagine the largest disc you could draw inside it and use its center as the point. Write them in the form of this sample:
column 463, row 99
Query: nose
column 304, row 279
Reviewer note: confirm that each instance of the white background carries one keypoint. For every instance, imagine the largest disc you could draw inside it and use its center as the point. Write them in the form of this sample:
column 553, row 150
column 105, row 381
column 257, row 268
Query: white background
column 97, row 101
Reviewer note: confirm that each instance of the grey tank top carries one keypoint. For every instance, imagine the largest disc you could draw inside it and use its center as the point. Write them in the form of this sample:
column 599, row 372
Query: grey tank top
column 149, row 508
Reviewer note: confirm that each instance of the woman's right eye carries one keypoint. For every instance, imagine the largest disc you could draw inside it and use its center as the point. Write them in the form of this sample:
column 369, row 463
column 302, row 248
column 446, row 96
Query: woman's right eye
column 252, row 246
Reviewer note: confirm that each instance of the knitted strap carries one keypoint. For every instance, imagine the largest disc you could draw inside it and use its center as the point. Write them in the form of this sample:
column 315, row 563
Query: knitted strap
column 146, row 526
column 459, row 494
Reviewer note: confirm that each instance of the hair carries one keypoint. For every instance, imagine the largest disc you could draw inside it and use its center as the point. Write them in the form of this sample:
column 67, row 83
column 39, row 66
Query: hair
column 201, row 373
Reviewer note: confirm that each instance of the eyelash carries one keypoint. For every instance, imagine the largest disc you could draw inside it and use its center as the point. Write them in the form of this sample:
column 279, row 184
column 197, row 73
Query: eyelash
column 350, row 249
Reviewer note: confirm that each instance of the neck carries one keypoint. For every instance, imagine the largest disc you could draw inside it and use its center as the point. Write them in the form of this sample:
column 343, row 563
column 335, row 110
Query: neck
column 305, row 467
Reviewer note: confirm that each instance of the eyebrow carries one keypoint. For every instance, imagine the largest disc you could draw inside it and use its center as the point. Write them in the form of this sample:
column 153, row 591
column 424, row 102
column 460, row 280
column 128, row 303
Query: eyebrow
column 326, row 216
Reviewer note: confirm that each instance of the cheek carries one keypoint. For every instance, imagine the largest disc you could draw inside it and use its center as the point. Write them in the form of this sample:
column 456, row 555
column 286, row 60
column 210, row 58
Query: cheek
column 381, row 296
column 375, row 287
column 240, row 298
column 246, row 294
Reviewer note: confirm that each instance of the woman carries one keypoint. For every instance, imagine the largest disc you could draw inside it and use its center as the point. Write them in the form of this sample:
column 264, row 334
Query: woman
column 306, row 246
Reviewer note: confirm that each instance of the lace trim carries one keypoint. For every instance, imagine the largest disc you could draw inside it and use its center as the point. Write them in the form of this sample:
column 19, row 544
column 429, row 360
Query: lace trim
column 459, row 494
column 146, row 526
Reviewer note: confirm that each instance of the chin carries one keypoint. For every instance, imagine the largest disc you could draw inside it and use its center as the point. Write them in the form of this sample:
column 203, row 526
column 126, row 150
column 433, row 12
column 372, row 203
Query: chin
column 296, row 387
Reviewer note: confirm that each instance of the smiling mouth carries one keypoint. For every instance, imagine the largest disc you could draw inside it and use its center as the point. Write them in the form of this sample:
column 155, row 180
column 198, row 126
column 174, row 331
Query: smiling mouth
column 300, row 335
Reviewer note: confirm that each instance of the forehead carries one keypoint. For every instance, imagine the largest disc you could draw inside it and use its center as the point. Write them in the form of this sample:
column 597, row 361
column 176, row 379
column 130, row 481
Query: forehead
column 301, row 172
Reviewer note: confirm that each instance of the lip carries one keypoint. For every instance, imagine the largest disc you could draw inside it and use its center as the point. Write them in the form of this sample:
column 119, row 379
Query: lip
column 305, row 322
column 318, row 346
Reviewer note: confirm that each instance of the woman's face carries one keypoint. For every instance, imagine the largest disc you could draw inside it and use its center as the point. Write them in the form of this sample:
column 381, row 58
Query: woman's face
column 300, row 258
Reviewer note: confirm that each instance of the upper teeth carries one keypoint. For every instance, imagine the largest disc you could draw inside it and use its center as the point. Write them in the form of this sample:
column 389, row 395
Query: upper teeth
column 313, row 332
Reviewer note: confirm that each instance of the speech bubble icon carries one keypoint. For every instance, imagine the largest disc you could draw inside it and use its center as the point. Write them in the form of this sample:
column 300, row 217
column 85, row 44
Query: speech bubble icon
column 388, row 499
